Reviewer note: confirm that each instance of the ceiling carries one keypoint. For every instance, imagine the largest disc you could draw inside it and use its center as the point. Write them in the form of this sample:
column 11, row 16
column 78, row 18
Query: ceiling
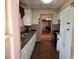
column 38, row 4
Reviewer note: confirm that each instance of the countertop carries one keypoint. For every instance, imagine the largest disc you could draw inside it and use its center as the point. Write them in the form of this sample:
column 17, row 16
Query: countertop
column 27, row 38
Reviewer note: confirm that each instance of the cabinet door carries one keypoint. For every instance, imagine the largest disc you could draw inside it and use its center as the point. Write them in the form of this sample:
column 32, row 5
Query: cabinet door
column 27, row 18
column 62, row 25
column 32, row 44
column 25, row 52
column 68, row 34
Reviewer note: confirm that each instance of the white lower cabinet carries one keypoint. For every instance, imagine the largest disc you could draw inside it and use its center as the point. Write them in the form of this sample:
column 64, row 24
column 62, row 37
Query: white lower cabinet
column 27, row 50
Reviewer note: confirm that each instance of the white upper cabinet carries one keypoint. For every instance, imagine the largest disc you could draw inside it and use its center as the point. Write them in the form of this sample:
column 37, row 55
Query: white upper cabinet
column 27, row 20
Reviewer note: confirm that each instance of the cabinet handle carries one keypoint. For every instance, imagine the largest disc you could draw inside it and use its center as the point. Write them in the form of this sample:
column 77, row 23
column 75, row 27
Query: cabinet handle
column 68, row 22
column 57, row 38
column 68, row 29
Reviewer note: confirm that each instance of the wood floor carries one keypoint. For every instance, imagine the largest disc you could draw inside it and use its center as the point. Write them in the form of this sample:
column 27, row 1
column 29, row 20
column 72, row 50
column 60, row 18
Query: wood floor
column 44, row 50
column 46, row 35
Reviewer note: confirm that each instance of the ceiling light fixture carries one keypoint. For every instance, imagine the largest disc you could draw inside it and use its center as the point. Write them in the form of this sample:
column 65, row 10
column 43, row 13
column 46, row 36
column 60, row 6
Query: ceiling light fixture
column 47, row 1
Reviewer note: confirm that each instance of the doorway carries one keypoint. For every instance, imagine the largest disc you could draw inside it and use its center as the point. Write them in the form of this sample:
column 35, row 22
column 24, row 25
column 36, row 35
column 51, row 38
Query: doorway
column 46, row 27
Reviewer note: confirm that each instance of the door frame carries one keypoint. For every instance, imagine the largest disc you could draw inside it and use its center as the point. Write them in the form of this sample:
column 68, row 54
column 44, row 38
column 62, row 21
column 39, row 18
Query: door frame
column 51, row 16
column 13, row 51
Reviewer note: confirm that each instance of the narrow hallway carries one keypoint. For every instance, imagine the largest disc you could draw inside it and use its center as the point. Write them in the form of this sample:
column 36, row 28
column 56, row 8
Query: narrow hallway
column 44, row 50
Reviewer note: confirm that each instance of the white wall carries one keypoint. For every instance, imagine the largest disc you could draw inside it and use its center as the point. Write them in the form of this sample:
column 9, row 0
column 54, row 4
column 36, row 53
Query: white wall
column 36, row 15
